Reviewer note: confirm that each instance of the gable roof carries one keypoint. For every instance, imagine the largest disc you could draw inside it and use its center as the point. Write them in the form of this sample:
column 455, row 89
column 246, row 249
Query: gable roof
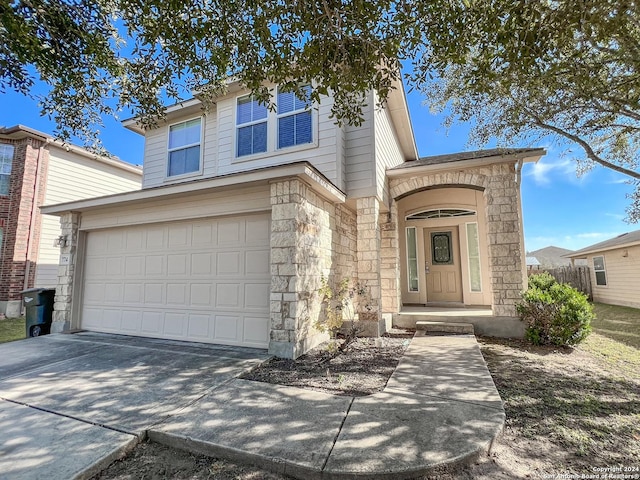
column 476, row 156
column 625, row 240
column 18, row 132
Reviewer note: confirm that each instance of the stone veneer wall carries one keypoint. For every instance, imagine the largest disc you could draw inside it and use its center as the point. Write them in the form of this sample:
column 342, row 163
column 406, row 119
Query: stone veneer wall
column 368, row 252
column 504, row 224
column 69, row 223
column 389, row 261
column 310, row 238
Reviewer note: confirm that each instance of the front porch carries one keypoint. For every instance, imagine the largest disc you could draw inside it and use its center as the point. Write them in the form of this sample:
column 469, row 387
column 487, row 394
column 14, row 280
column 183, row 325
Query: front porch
column 481, row 317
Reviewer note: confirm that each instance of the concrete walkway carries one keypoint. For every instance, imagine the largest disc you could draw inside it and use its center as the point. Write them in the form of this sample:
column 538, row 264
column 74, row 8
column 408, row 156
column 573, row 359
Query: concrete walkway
column 70, row 404
column 440, row 408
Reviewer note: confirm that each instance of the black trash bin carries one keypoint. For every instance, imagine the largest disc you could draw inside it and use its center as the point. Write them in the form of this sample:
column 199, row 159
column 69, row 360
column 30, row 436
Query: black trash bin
column 38, row 303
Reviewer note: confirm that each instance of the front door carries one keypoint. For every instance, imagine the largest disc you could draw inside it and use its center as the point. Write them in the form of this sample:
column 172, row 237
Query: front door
column 442, row 265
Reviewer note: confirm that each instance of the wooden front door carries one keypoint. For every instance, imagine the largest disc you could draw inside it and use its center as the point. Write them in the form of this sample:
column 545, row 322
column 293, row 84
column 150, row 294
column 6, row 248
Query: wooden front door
column 442, row 265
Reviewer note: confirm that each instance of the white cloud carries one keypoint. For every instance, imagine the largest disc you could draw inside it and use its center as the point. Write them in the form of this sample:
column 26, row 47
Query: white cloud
column 543, row 171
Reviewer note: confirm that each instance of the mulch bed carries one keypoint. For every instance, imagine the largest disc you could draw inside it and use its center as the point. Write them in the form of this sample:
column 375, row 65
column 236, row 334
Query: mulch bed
column 362, row 370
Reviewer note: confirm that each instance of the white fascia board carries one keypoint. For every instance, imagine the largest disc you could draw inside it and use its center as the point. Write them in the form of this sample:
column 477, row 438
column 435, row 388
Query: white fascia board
column 462, row 164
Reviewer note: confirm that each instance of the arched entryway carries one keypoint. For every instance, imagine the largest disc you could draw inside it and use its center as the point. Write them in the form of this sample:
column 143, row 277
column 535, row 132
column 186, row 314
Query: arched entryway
column 443, row 247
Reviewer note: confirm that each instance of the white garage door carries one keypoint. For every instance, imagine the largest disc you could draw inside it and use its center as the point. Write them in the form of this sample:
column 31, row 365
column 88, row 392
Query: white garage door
column 203, row 281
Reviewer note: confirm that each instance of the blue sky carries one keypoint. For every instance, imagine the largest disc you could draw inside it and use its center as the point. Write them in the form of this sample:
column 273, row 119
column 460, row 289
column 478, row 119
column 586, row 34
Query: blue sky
column 559, row 208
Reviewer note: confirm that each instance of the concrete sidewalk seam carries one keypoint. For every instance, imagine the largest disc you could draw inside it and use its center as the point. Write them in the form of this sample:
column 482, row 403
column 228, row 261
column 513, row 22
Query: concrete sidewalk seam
column 440, row 397
column 79, row 419
column 335, row 439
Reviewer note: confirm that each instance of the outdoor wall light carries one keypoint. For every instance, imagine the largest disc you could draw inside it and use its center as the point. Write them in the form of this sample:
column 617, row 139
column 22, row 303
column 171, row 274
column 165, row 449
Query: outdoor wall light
column 60, row 241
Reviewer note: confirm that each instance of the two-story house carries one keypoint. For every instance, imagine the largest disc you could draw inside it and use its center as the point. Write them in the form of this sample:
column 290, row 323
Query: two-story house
column 36, row 169
column 243, row 210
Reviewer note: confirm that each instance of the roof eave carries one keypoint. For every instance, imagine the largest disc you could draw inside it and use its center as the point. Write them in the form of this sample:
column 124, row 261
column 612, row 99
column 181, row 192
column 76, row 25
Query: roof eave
column 526, row 157
column 584, row 253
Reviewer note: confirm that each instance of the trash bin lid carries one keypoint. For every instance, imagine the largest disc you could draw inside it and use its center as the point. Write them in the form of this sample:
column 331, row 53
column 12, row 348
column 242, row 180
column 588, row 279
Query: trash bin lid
column 33, row 290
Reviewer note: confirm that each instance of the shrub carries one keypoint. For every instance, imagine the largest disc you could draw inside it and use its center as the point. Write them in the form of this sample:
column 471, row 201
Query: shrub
column 338, row 302
column 555, row 313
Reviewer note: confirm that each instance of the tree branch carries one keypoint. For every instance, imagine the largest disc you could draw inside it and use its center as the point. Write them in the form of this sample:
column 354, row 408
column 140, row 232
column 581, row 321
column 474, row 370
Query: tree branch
column 591, row 154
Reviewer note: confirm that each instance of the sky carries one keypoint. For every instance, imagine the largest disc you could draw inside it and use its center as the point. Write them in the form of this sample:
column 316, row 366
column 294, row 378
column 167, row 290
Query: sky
column 559, row 208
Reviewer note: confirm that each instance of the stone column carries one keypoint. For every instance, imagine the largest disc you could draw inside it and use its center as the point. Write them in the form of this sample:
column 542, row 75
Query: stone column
column 389, row 261
column 505, row 240
column 69, row 223
column 300, row 255
column 368, row 244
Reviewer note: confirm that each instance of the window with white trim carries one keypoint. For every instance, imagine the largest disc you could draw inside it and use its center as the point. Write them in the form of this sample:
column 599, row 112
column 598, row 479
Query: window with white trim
column 251, row 126
column 184, row 147
column 6, row 161
column 599, row 270
column 473, row 251
column 412, row 260
column 294, row 118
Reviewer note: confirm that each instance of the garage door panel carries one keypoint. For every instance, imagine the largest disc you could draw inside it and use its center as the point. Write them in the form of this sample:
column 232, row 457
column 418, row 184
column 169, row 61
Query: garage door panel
column 178, row 264
column 177, row 294
column 202, row 264
column 113, row 293
column 179, row 235
column 256, row 295
column 228, row 263
column 151, row 323
column 154, row 265
column 230, row 232
column 257, row 262
column 255, row 329
column 228, row 328
column 206, row 280
column 228, row 295
column 257, row 231
column 201, row 295
column 131, row 321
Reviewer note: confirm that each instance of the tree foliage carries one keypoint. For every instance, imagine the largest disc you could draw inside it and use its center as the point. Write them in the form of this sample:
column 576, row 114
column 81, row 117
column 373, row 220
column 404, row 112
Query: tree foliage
column 516, row 68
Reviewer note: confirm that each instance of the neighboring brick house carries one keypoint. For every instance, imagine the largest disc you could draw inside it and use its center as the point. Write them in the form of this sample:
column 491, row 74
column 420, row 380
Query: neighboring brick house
column 243, row 210
column 36, row 169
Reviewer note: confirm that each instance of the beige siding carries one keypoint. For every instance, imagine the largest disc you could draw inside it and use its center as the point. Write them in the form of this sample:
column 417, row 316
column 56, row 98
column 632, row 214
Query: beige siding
column 219, row 156
column 73, row 177
column 387, row 150
column 359, row 155
column 202, row 205
column 623, row 277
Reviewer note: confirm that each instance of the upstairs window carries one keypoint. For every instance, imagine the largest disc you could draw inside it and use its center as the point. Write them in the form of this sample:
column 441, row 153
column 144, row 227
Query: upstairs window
column 6, row 160
column 251, row 122
column 184, row 147
column 294, row 119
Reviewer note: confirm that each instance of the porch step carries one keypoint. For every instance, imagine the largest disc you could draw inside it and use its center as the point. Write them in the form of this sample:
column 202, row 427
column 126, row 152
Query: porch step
column 445, row 327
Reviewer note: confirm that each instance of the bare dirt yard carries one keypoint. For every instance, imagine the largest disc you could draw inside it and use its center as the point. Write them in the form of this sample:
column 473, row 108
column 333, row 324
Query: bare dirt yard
column 570, row 411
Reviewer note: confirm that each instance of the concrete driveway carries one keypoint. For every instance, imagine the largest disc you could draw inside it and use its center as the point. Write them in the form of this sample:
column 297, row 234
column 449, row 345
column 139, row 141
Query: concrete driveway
column 68, row 401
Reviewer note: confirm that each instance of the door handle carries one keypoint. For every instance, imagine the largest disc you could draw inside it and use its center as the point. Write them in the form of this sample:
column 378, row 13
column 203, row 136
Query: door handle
column 426, row 267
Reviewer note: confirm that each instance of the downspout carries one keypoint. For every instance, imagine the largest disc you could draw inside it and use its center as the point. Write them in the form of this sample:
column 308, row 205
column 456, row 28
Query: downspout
column 34, row 217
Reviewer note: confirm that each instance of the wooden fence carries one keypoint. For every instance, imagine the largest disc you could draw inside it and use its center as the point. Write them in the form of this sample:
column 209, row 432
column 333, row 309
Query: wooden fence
column 578, row 277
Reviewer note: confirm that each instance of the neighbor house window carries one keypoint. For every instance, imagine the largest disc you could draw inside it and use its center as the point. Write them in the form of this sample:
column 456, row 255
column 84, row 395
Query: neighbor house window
column 184, row 147
column 251, row 123
column 294, row 119
column 598, row 268
column 412, row 260
column 473, row 252
column 6, row 160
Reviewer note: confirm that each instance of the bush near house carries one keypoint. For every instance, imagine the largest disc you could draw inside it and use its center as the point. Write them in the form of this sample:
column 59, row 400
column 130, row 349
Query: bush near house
column 555, row 313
